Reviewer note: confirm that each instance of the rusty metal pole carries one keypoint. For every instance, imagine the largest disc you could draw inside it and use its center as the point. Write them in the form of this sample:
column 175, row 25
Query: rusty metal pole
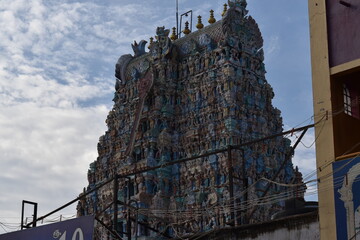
column 115, row 202
column 231, row 184
column 128, row 224
column 245, row 186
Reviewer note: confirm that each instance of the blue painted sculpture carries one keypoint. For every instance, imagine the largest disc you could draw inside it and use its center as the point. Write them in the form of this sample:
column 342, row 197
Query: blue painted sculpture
column 197, row 94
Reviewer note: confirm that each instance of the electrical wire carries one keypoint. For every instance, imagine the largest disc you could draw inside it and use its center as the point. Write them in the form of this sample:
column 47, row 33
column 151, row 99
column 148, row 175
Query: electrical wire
column 9, row 227
column 270, row 199
column 1, row 225
column 246, row 205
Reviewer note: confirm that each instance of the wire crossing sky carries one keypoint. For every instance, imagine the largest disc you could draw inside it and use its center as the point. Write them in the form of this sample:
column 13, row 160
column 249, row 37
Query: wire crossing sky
column 57, row 63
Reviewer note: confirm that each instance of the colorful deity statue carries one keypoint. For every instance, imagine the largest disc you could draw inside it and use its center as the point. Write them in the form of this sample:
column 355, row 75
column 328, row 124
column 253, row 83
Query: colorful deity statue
column 180, row 111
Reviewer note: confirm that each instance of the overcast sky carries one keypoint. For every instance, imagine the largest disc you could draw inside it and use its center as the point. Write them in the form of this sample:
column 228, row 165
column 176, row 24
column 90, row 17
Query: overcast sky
column 57, row 62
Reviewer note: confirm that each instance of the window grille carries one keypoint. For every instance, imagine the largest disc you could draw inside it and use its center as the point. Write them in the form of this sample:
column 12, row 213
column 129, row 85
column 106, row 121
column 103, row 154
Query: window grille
column 347, row 101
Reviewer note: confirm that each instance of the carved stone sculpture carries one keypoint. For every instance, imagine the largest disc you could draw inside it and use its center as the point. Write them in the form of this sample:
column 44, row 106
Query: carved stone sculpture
column 187, row 97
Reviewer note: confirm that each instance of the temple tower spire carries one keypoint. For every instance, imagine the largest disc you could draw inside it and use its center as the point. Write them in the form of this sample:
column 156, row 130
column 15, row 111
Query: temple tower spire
column 237, row 3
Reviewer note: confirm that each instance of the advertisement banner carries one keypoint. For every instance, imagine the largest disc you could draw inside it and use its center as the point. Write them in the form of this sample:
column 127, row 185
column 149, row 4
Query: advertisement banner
column 347, row 198
column 74, row 229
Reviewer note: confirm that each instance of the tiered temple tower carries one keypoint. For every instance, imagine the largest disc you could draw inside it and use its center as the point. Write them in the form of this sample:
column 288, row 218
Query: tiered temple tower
column 197, row 98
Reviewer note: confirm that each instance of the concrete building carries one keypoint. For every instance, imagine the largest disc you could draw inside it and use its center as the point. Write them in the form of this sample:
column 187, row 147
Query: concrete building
column 297, row 227
column 335, row 52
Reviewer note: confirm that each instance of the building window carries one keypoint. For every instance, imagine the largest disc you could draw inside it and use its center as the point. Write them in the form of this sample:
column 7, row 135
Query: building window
column 351, row 101
column 347, row 100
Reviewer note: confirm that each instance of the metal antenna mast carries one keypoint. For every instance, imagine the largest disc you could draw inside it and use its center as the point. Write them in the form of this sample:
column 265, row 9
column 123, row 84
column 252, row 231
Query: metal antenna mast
column 177, row 18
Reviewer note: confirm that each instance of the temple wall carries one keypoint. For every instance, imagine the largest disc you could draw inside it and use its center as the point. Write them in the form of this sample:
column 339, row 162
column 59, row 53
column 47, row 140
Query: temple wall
column 199, row 94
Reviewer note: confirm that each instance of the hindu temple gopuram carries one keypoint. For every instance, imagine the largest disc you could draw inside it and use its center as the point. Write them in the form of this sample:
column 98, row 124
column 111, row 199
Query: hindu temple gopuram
column 182, row 112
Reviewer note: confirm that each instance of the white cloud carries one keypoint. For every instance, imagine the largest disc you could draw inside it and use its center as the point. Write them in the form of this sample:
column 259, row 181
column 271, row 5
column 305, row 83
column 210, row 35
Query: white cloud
column 45, row 153
column 47, row 140
column 272, row 47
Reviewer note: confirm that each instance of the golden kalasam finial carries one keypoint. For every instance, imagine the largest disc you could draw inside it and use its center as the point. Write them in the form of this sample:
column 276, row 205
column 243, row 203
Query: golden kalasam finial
column 212, row 19
column 199, row 25
column 173, row 34
column 186, row 31
column 151, row 42
column 225, row 10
